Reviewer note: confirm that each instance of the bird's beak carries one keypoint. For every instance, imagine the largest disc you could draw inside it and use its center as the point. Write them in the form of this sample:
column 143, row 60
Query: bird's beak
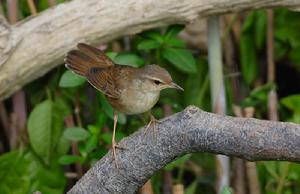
column 174, row 85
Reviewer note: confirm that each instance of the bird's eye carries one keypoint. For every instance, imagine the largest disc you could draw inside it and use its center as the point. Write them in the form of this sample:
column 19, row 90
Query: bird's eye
column 157, row 82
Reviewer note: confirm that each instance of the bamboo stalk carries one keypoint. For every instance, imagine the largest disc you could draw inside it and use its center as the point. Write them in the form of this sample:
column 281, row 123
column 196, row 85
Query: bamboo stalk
column 218, row 92
column 272, row 97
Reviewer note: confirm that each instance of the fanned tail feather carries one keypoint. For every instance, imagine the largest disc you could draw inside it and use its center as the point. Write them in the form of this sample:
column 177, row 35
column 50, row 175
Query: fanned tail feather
column 87, row 57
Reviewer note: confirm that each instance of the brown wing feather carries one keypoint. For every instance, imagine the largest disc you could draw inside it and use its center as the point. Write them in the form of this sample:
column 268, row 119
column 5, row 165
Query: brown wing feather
column 93, row 64
column 103, row 80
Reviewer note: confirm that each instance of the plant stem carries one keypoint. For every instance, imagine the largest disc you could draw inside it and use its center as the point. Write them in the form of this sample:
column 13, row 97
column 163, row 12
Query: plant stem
column 217, row 91
column 282, row 178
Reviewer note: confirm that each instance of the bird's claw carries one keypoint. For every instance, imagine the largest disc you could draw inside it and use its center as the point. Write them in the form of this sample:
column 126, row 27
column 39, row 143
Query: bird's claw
column 152, row 123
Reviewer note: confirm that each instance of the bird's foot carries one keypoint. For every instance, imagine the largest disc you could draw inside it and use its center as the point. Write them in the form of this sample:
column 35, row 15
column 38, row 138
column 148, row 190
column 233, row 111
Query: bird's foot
column 115, row 146
column 152, row 123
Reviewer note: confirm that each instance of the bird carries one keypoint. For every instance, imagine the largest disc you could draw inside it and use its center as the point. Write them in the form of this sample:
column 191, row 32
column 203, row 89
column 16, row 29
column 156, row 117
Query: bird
column 128, row 89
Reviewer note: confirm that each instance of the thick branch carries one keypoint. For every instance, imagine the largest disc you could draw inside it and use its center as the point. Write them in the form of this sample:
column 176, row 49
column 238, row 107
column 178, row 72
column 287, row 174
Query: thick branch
column 191, row 130
column 31, row 48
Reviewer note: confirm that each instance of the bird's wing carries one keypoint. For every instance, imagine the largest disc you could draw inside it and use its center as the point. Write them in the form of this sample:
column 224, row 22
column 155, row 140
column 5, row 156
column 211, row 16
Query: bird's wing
column 103, row 80
column 93, row 64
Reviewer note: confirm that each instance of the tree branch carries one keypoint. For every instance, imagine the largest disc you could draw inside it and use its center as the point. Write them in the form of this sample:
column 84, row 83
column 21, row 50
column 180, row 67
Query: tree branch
column 33, row 47
column 191, row 130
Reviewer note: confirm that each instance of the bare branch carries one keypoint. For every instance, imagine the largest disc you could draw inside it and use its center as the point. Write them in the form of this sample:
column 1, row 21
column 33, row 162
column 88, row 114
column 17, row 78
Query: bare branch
column 38, row 44
column 191, row 130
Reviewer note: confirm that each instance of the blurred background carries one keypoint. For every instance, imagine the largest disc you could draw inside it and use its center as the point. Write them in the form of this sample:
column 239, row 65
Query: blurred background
column 55, row 128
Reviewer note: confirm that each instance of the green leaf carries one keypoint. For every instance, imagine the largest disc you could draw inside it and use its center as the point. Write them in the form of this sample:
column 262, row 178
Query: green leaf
column 226, row 190
column 69, row 79
column 39, row 129
column 181, row 58
column 61, row 107
column 46, row 179
column 252, row 39
column 175, row 42
column 196, row 88
column 63, row 146
column 287, row 27
column 60, row 110
column 147, row 44
column 111, row 55
column 248, row 23
column 248, row 58
column 69, row 159
column 260, row 28
column 94, row 130
column 292, row 102
column 191, row 189
column 281, row 49
column 106, row 137
column 14, row 173
column 76, row 134
column 155, row 35
column 42, row 5
column 296, row 118
column 294, row 56
column 261, row 93
column 91, row 144
column 173, row 31
column 129, row 59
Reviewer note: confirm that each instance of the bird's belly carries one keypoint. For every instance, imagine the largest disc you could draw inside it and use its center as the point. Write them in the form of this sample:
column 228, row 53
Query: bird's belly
column 139, row 102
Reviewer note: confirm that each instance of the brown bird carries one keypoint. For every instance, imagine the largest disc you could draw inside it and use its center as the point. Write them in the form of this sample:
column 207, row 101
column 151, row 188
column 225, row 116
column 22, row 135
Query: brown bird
column 129, row 90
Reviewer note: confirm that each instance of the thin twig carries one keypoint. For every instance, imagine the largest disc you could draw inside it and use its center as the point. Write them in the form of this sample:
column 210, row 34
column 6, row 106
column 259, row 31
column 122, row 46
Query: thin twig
column 272, row 97
column 168, row 182
column 32, row 7
column 4, row 119
column 69, row 122
column 146, row 188
column 251, row 171
column 12, row 9
column 270, row 47
column 1, row 9
column 51, row 3
column 77, row 111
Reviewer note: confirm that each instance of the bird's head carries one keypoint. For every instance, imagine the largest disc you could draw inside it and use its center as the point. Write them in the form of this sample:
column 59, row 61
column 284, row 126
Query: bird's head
column 157, row 78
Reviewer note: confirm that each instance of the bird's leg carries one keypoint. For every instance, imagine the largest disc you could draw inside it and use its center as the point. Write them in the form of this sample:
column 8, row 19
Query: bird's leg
column 114, row 144
column 152, row 123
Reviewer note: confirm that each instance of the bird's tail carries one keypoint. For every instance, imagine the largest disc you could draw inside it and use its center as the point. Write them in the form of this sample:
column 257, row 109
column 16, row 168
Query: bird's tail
column 87, row 57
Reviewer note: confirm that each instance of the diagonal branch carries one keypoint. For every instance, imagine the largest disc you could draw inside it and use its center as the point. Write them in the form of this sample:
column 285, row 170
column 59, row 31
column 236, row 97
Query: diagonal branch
column 33, row 47
column 191, row 130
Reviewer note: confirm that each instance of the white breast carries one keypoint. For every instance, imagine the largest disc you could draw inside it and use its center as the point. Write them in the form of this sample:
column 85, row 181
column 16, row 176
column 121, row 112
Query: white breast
column 139, row 102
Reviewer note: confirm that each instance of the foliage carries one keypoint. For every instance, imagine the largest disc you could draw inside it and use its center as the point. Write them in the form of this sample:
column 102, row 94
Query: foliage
column 23, row 172
column 252, row 39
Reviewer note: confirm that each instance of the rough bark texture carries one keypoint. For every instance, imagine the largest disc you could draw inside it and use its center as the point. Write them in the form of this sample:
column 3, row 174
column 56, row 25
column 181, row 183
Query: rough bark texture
column 191, row 130
column 33, row 47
